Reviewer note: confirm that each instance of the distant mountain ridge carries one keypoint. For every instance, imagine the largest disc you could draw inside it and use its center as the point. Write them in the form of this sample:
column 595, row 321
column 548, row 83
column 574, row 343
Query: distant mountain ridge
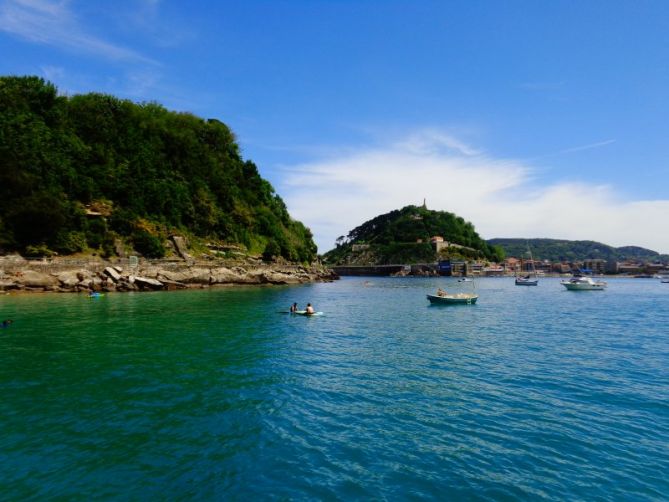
column 567, row 250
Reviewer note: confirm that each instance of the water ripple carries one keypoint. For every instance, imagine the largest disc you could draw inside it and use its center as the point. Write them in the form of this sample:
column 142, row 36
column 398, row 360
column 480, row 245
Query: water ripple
column 528, row 395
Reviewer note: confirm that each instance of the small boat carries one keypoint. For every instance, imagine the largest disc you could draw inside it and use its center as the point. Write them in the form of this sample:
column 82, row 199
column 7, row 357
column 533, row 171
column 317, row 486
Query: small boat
column 526, row 281
column 465, row 279
column 453, row 299
column 583, row 283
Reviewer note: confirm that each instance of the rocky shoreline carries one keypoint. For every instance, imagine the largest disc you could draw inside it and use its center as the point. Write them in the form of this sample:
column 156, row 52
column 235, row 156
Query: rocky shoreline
column 75, row 276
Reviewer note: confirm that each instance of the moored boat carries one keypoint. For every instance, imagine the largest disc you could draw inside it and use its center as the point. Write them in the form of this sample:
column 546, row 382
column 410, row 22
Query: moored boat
column 453, row 299
column 583, row 283
column 526, row 281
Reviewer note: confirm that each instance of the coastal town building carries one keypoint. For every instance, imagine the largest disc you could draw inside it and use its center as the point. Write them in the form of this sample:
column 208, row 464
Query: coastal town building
column 630, row 268
column 511, row 265
column 597, row 266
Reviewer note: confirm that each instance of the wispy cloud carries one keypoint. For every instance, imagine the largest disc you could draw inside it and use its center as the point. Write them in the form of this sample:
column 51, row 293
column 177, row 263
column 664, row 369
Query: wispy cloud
column 588, row 146
column 148, row 18
column 52, row 73
column 54, row 23
column 499, row 196
column 433, row 141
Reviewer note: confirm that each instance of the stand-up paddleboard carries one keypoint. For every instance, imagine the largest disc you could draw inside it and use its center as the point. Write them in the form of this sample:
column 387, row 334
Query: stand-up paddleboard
column 304, row 312
column 300, row 312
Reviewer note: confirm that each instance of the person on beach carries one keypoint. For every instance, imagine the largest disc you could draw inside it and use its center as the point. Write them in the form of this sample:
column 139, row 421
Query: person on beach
column 293, row 308
column 310, row 309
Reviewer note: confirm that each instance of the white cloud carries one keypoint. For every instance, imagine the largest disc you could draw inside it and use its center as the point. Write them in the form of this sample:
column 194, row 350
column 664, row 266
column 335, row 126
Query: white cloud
column 499, row 196
column 53, row 23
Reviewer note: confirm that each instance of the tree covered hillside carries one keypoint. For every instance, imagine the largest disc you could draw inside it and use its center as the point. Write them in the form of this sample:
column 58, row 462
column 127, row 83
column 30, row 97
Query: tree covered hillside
column 403, row 236
column 565, row 250
column 149, row 171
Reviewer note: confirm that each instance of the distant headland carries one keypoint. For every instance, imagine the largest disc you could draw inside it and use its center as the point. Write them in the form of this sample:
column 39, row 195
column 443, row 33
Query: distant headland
column 415, row 240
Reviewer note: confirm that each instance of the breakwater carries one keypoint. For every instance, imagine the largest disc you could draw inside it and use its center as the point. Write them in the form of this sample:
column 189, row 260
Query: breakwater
column 422, row 269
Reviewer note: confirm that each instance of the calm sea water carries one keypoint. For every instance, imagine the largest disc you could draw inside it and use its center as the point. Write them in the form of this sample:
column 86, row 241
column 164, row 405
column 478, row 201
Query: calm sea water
column 535, row 393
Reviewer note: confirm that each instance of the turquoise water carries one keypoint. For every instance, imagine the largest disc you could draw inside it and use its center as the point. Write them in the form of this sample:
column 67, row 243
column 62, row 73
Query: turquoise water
column 534, row 393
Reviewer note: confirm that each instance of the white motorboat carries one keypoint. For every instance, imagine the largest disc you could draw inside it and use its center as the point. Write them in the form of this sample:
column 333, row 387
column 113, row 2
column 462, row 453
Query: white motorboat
column 583, row 283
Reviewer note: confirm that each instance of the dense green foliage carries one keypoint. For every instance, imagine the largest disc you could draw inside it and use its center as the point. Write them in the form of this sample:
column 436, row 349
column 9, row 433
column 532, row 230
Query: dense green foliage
column 154, row 171
column 403, row 236
column 568, row 251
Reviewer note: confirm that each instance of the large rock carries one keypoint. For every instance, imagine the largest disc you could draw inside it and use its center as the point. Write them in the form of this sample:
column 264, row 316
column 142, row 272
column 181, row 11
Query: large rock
column 69, row 278
column 147, row 282
column 181, row 246
column 172, row 285
column 95, row 283
column 34, row 279
column 224, row 275
column 194, row 275
column 113, row 274
column 6, row 284
column 273, row 277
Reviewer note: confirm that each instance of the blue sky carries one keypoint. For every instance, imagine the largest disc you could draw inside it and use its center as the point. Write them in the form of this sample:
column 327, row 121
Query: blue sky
column 529, row 119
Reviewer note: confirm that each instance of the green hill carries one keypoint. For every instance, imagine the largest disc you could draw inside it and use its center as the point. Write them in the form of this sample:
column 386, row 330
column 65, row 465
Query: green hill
column 565, row 250
column 403, row 236
column 147, row 172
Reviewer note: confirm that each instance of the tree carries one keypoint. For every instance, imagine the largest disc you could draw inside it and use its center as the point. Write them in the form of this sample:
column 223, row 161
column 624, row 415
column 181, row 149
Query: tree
column 173, row 170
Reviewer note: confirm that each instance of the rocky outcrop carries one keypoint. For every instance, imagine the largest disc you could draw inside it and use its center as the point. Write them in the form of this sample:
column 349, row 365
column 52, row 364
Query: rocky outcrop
column 113, row 274
column 37, row 280
column 148, row 283
column 152, row 277
column 181, row 247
